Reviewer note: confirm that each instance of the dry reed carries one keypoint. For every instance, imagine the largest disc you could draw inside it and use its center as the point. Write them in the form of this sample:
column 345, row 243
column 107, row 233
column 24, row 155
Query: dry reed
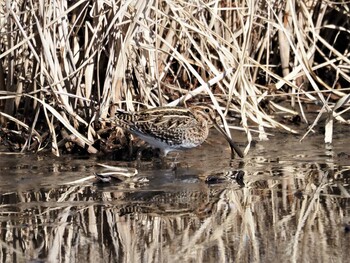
column 64, row 64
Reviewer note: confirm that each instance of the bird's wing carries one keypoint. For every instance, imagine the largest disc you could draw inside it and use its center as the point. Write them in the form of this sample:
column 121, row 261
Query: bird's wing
column 122, row 119
column 166, row 124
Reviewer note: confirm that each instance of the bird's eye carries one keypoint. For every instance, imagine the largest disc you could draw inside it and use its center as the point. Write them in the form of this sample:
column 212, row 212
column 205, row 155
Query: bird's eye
column 206, row 110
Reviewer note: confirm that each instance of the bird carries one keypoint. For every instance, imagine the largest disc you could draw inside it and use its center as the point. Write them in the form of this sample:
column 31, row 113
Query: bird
column 171, row 128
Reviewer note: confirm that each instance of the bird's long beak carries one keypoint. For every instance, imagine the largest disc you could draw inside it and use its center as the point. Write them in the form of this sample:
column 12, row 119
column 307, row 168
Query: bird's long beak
column 234, row 147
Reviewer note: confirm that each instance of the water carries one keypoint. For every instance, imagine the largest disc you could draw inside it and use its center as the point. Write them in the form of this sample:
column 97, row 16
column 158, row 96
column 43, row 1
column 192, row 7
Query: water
column 292, row 206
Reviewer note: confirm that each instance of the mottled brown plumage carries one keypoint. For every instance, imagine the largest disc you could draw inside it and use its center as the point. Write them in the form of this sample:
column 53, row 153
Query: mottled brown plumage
column 170, row 128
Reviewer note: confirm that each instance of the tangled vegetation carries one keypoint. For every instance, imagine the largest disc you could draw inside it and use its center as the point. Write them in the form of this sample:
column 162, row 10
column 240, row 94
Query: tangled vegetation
column 64, row 64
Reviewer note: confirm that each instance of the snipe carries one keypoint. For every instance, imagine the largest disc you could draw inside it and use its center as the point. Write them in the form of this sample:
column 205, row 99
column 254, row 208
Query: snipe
column 171, row 128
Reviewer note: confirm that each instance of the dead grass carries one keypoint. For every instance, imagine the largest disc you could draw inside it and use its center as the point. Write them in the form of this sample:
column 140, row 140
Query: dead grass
column 64, row 64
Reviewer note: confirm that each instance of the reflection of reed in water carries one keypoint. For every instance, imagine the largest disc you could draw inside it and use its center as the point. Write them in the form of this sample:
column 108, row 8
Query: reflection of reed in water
column 263, row 221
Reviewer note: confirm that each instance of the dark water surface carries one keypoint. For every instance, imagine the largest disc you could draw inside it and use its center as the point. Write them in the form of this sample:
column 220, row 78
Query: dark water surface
column 291, row 206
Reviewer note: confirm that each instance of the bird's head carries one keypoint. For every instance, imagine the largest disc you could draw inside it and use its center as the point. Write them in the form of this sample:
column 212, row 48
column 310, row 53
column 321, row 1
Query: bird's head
column 213, row 118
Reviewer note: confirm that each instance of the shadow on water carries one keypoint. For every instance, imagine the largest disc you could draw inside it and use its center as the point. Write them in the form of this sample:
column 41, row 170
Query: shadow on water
column 292, row 206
